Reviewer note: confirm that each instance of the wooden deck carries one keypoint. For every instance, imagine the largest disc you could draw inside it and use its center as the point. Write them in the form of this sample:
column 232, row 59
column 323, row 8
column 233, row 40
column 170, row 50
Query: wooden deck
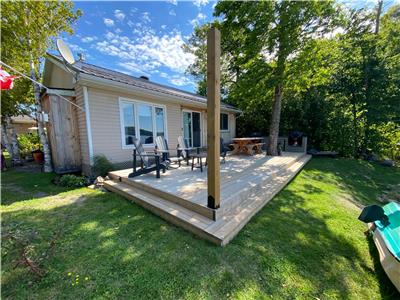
column 180, row 195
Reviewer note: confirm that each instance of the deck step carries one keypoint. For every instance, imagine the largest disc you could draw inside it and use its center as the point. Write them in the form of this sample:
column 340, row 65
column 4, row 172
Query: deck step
column 171, row 212
column 230, row 224
column 255, row 182
column 260, row 185
column 200, row 209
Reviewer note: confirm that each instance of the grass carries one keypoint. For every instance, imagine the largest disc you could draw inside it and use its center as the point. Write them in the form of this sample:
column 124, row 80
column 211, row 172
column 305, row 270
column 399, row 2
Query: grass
column 306, row 243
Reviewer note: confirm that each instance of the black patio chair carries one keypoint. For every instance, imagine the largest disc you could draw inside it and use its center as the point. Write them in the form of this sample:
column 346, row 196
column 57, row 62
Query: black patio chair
column 223, row 150
column 146, row 166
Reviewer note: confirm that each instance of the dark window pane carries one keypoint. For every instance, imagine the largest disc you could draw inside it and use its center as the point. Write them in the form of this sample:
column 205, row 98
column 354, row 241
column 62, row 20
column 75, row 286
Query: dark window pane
column 145, row 123
column 196, row 130
column 224, row 122
column 160, row 121
column 129, row 122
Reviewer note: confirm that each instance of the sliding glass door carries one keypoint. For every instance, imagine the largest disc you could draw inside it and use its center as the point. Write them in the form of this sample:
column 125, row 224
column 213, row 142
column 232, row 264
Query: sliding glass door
column 192, row 128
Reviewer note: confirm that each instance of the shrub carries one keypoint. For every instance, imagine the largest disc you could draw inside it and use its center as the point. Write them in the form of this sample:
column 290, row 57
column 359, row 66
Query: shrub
column 101, row 165
column 70, row 180
column 27, row 143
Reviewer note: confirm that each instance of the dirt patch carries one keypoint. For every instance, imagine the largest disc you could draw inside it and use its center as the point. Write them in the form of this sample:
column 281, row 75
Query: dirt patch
column 29, row 167
column 392, row 194
column 12, row 187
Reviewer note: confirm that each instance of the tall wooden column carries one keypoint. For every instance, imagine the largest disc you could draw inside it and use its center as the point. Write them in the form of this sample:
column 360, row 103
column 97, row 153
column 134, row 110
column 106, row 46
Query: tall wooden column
column 213, row 116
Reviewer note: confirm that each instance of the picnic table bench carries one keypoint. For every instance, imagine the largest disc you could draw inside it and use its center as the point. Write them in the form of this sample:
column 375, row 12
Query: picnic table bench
column 247, row 145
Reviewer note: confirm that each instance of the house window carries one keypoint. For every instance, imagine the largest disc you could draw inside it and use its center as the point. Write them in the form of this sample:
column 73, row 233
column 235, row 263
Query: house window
column 128, row 110
column 224, row 122
column 142, row 120
column 145, row 125
column 160, row 130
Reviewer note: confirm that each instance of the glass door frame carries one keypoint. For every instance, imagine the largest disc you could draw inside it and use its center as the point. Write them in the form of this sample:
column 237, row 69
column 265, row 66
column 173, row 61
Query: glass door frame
column 191, row 129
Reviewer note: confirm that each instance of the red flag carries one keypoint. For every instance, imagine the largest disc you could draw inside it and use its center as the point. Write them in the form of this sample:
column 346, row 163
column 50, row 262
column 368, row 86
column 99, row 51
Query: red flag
column 6, row 80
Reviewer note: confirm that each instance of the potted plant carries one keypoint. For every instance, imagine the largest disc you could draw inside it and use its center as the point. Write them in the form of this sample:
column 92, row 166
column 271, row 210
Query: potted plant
column 38, row 156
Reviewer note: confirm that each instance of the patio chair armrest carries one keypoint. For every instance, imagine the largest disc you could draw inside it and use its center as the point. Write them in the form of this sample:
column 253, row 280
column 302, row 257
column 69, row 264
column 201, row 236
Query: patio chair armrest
column 162, row 151
column 149, row 154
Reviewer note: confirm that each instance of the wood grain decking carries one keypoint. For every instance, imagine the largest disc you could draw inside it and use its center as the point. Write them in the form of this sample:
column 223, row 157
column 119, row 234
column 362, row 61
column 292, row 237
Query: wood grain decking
column 180, row 195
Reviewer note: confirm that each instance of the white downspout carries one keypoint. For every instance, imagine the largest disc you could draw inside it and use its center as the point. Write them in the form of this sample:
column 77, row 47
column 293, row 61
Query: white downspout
column 88, row 126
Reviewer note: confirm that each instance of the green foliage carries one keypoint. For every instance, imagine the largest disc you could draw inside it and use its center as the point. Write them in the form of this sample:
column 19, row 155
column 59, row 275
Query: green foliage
column 341, row 85
column 387, row 138
column 28, row 143
column 101, row 165
column 28, row 29
column 70, row 180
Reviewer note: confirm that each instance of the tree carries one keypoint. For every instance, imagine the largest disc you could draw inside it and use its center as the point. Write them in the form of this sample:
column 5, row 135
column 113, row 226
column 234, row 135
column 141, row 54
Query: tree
column 275, row 32
column 15, row 102
column 28, row 30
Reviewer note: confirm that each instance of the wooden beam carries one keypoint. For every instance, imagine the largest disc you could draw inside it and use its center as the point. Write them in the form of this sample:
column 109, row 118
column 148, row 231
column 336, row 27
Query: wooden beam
column 213, row 116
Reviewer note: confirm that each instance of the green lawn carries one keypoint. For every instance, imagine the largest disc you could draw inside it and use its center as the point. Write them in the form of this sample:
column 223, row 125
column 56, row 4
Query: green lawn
column 306, row 243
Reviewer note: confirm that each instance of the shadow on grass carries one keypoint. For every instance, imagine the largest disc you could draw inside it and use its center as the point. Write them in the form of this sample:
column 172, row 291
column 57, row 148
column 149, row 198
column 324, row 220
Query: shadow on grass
column 286, row 251
column 19, row 186
column 363, row 180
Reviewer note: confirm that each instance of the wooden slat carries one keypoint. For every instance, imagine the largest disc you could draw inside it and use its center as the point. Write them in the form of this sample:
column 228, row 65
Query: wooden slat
column 168, row 211
column 205, row 211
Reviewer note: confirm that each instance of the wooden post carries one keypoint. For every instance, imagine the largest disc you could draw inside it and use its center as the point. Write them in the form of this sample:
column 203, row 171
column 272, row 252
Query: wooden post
column 213, row 116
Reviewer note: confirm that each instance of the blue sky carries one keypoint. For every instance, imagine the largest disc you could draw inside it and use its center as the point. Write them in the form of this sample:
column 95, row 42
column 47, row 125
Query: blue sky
column 145, row 37
column 140, row 38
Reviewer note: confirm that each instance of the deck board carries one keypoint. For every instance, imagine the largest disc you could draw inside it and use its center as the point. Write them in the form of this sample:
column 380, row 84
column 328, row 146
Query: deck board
column 247, row 184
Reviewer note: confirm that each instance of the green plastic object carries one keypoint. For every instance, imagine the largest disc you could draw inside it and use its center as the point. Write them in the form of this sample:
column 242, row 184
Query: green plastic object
column 391, row 232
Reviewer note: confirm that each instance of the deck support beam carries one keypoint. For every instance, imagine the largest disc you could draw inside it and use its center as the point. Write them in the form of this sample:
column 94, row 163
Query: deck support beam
column 213, row 118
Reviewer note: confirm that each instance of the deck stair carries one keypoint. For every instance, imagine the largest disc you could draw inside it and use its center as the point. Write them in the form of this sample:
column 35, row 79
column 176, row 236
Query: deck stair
column 256, row 187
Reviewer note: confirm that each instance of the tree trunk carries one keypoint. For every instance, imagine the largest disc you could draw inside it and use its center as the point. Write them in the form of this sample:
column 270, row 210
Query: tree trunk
column 5, row 140
column 275, row 119
column 39, row 117
column 354, row 112
column 13, row 140
column 378, row 16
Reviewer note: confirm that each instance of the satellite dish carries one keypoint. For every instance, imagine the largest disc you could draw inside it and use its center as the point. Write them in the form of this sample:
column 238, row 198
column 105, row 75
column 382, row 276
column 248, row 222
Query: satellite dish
column 65, row 52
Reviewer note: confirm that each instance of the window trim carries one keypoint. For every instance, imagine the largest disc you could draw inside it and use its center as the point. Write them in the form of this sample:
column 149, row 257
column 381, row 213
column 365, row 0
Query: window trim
column 224, row 130
column 136, row 102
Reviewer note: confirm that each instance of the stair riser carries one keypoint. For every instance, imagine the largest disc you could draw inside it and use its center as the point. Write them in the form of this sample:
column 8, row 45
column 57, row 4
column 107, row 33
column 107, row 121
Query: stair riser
column 202, row 210
column 233, row 233
column 166, row 216
column 259, row 187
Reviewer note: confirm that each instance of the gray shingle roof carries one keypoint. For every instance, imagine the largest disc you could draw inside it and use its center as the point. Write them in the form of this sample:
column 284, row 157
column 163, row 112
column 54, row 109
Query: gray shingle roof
column 101, row 72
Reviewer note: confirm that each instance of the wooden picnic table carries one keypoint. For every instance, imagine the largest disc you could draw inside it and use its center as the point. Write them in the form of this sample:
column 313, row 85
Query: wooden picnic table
column 247, row 145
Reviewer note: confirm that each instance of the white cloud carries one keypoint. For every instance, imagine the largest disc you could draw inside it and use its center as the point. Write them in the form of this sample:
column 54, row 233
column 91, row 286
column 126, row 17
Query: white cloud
column 201, row 16
column 172, row 12
column 88, row 39
column 196, row 21
column 174, row 2
column 76, row 48
column 180, row 80
column 108, row 22
column 146, row 17
column 163, row 26
column 118, row 30
column 200, row 3
column 148, row 52
column 119, row 14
